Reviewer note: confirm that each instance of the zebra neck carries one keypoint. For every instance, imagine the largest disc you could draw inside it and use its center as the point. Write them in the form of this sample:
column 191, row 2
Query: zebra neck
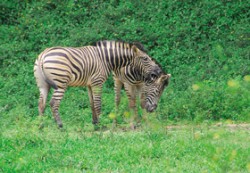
column 134, row 73
column 115, row 55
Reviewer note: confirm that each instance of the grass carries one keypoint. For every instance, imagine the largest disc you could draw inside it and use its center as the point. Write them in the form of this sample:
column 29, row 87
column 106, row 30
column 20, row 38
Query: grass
column 37, row 145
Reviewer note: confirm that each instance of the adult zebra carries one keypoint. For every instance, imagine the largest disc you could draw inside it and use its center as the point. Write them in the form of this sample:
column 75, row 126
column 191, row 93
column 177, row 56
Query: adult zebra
column 60, row 67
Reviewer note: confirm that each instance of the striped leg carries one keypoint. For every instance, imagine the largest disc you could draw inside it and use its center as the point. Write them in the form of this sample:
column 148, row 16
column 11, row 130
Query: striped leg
column 91, row 103
column 131, row 94
column 142, row 96
column 55, row 103
column 95, row 102
column 143, row 104
column 118, row 88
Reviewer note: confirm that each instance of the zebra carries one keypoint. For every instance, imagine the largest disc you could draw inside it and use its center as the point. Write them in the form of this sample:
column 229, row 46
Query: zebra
column 60, row 67
column 149, row 92
column 153, row 91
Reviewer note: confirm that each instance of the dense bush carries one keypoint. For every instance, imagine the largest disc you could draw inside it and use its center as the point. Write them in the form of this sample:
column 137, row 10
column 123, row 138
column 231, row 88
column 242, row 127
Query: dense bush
column 203, row 44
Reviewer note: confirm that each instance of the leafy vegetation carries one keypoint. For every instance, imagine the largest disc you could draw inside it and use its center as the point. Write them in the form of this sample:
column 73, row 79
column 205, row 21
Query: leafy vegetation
column 204, row 45
column 201, row 43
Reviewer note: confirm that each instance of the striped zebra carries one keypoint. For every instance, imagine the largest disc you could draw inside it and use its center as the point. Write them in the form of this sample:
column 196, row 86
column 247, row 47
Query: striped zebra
column 149, row 92
column 60, row 67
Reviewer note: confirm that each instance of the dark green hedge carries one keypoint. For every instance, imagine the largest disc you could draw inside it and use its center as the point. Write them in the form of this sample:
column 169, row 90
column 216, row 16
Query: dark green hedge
column 200, row 42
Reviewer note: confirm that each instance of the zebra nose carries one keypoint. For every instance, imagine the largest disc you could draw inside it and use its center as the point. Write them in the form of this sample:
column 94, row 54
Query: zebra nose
column 152, row 107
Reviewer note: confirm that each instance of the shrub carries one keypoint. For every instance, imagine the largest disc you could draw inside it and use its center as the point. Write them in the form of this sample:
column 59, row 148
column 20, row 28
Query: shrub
column 198, row 42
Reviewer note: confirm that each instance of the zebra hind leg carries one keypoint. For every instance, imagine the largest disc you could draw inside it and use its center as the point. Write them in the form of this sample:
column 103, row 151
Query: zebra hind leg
column 55, row 103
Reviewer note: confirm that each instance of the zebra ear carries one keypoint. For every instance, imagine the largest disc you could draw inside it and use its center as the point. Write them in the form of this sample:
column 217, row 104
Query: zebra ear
column 165, row 78
column 136, row 50
column 139, row 46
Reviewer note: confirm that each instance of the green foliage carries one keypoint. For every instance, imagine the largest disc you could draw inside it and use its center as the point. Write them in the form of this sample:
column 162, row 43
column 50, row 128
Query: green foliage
column 204, row 43
column 209, row 100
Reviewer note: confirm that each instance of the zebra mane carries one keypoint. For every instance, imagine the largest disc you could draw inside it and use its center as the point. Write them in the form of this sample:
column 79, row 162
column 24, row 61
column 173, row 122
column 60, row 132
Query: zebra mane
column 137, row 44
column 140, row 46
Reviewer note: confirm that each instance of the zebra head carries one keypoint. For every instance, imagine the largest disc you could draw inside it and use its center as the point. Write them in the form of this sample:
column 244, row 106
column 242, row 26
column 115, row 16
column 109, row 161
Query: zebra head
column 145, row 65
column 154, row 90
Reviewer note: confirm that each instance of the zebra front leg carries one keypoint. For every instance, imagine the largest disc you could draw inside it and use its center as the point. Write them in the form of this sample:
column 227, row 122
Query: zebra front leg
column 55, row 103
column 118, row 87
column 90, row 93
column 131, row 94
column 95, row 100
column 143, row 104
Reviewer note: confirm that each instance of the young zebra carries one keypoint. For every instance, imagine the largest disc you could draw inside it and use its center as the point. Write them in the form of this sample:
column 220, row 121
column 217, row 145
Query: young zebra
column 149, row 92
column 60, row 67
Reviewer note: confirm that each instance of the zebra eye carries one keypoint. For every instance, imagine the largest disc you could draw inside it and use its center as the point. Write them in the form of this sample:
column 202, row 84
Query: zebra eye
column 156, row 90
column 153, row 76
column 145, row 58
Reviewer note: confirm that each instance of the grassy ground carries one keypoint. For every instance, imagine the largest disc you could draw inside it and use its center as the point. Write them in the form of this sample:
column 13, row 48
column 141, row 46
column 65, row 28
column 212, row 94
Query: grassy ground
column 37, row 145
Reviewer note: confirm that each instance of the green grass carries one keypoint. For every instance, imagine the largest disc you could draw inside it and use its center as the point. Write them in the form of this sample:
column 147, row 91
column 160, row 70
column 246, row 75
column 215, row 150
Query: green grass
column 37, row 145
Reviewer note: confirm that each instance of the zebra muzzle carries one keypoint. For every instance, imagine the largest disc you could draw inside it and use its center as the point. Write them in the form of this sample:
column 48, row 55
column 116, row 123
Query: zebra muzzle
column 150, row 107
